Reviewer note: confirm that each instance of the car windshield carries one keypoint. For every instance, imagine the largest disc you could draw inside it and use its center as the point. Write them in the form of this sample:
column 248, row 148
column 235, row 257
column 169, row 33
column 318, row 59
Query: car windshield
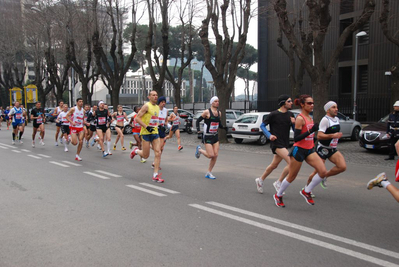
column 384, row 119
column 248, row 118
column 230, row 115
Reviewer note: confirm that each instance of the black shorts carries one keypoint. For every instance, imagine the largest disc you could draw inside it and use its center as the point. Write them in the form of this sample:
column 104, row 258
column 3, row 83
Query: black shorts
column 16, row 125
column 325, row 152
column 103, row 128
column 175, row 128
column 65, row 129
column 211, row 139
column 161, row 131
column 300, row 154
column 120, row 127
column 58, row 124
column 36, row 125
column 274, row 147
column 92, row 128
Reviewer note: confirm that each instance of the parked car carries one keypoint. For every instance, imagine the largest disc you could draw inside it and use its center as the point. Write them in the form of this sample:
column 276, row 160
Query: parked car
column 127, row 129
column 349, row 127
column 184, row 117
column 247, row 127
column 48, row 112
column 374, row 136
column 231, row 116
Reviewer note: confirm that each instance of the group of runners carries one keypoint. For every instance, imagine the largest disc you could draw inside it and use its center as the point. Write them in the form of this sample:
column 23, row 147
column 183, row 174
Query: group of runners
column 82, row 123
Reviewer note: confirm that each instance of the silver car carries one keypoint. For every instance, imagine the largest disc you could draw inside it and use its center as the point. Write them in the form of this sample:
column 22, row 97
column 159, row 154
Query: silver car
column 231, row 116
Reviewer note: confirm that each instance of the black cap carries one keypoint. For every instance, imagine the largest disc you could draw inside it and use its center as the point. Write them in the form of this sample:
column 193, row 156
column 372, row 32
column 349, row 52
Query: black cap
column 162, row 98
column 282, row 99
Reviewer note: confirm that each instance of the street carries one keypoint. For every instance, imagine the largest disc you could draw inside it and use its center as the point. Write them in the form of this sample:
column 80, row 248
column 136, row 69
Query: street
column 56, row 211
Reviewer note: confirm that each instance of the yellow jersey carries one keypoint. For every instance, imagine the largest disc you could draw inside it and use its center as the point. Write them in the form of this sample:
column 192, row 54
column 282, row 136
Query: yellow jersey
column 150, row 119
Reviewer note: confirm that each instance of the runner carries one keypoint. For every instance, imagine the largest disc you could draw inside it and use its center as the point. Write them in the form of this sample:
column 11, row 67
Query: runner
column 101, row 116
column 90, row 125
column 64, row 126
column 136, row 129
column 24, row 120
column 148, row 119
column 303, row 149
column 163, row 120
column 212, row 123
column 37, row 115
column 174, row 118
column 16, row 116
column 7, row 118
column 56, row 112
column 1, row 116
column 382, row 181
column 328, row 136
column 280, row 122
column 120, row 117
column 75, row 117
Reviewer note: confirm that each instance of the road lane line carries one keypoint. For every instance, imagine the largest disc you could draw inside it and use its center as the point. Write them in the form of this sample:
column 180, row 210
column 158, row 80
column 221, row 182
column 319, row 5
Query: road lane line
column 44, row 156
column 25, row 150
column 59, row 164
column 35, row 157
column 16, row 151
column 9, row 146
column 97, row 175
column 309, row 230
column 71, row 163
column 108, row 173
column 3, row 147
column 299, row 237
column 146, row 190
column 160, row 188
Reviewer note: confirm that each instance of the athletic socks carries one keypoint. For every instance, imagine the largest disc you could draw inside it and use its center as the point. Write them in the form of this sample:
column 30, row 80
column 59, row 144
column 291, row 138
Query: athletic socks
column 283, row 187
column 155, row 174
column 385, row 184
column 397, row 172
column 13, row 136
column 315, row 181
column 108, row 146
column 20, row 135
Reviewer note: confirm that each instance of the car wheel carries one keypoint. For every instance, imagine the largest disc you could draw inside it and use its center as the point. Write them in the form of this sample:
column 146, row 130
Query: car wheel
column 238, row 140
column 355, row 134
column 128, row 129
column 262, row 140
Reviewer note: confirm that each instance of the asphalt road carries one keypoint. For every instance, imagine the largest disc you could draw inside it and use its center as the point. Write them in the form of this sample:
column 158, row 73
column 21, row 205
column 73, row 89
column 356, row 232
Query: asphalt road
column 55, row 211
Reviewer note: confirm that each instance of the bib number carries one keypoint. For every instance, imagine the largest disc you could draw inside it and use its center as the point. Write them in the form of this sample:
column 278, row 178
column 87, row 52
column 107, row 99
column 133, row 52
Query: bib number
column 154, row 121
column 214, row 127
column 334, row 143
column 120, row 118
column 39, row 120
column 102, row 121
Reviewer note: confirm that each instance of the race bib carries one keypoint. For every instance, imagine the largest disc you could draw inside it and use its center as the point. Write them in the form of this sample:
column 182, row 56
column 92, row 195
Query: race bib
column 176, row 121
column 18, row 116
column 214, row 127
column 154, row 121
column 311, row 136
column 334, row 143
column 79, row 122
column 120, row 118
column 161, row 121
column 39, row 120
column 102, row 120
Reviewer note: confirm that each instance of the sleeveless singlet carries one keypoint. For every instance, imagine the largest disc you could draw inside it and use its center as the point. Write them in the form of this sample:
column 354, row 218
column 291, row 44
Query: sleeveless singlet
column 333, row 127
column 307, row 142
column 163, row 113
column 78, row 117
column 211, row 125
column 176, row 121
column 62, row 118
column 119, row 118
column 102, row 117
column 17, row 115
column 150, row 118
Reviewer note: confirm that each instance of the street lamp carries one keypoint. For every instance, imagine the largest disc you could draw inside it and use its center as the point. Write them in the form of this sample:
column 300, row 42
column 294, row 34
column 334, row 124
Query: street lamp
column 359, row 34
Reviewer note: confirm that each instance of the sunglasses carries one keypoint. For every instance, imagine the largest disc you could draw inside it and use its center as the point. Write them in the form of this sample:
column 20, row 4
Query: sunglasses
column 289, row 101
column 310, row 103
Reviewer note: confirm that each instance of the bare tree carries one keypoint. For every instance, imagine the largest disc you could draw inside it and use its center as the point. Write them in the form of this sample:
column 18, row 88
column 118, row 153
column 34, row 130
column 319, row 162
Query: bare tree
column 391, row 34
column 224, row 67
column 319, row 21
column 112, row 64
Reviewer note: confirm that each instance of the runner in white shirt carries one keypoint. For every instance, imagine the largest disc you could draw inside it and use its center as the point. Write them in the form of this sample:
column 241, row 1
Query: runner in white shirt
column 64, row 126
column 56, row 112
column 75, row 117
column 163, row 121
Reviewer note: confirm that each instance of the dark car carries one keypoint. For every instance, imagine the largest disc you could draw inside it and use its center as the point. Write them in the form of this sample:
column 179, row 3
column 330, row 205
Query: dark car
column 374, row 136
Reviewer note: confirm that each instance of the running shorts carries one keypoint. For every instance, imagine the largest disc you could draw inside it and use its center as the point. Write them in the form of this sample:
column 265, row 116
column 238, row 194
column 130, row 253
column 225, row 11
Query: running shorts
column 175, row 128
column 65, row 129
column 150, row 137
column 15, row 125
column 92, row 128
column 300, row 154
column 161, row 131
column 58, row 124
column 102, row 128
column 36, row 125
column 325, row 152
column 211, row 139
column 76, row 130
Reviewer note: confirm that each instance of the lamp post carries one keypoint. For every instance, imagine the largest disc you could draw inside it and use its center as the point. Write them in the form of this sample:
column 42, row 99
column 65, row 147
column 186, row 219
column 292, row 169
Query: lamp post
column 359, row 34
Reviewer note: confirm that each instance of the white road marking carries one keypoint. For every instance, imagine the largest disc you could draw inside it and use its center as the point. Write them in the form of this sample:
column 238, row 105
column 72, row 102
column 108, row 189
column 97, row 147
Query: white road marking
column 9, row 146
column 59, row 164
column 97, row 175
column 299, row 237
column 71, row 163
column 160, row 188
column 146, row 190
column 44, row 156
column 16, row 151
column 25, row 150
column 309, row 230
column 3, row 147
column 35, row 157
column 108, row 173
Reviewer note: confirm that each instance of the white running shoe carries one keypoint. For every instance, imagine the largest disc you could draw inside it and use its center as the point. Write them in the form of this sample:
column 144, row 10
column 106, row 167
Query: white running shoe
column 61, row 141
column 33, row 143
column 56, row 143
column 66, row 149
column 21, row 142
column 78, row 158
column 277, row 185
column 209, row 175
column 41, row 142
column 259, row 185
column 13, row 142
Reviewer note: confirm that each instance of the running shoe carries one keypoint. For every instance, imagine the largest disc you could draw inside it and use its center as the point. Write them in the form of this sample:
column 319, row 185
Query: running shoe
column 13, row 142
column 87, row 144
column 311, row 193
column 377, row 181
column 133, row 153
column 56, row 143
column 259, row 185
column 278, row 201
column 209, row 175
column 21, row 142
column 123, row 148
column 130, row 145
column 307, row 197
column 66, row 149
column 179, row 148
column 277, row 185
column 78, row 158
column 105, row 154
column 60, row 139
column 143, row 160
column 323, row 183
column 158, row 178
column 41, row 142
column 93, row 141
column 153, row 166
column 33, row 143
column 109, row 153
column 197, row 152
column 98, row 147
column 114, row 147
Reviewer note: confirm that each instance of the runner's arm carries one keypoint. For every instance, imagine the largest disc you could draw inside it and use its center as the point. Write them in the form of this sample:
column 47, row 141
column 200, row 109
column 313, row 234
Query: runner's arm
column 298, row 129
column 68, row 116
column 203, row 116
column 141, row 113
column 265, row 131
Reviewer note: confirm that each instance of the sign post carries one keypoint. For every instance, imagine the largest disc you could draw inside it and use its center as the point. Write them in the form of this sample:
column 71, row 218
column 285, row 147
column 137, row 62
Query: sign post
column 15, row 95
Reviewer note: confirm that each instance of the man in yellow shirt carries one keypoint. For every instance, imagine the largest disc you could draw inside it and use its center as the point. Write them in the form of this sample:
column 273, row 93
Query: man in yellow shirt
column 148, row 119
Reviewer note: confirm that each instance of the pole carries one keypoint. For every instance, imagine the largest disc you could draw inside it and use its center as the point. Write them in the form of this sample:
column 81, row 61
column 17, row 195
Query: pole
column 355, row 82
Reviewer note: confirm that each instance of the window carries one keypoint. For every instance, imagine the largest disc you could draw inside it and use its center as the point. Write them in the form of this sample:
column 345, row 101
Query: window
column 345, row 80
column 365, row 39
column 347, row 6
column 230, row 115
column 362, row 80
column 342, row 26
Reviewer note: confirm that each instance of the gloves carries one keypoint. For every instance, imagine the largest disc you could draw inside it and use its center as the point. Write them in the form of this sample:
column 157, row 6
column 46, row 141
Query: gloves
column 150, row 129
column 314, row 128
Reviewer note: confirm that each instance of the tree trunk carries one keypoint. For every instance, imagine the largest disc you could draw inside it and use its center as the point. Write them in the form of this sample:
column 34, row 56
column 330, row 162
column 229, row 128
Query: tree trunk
column 223, row 94
column 320, row 98
column 176, row 95
column 395, row 82
column 85, row 90
column 115, row 96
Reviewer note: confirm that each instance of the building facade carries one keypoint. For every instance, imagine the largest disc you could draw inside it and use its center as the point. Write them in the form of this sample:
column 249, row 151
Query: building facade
column 376, row 55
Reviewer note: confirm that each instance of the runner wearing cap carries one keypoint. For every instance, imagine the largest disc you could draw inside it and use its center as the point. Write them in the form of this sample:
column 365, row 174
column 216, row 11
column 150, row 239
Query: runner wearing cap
column 393, row 131
column 163, row 121
column 212, row 123
column 280, row 122
column 328, row 136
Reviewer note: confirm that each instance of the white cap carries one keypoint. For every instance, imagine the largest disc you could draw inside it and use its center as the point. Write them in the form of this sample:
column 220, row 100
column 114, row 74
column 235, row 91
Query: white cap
column 396, row 104
column 101, row 102
column 213, row 99
column 328, row 105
